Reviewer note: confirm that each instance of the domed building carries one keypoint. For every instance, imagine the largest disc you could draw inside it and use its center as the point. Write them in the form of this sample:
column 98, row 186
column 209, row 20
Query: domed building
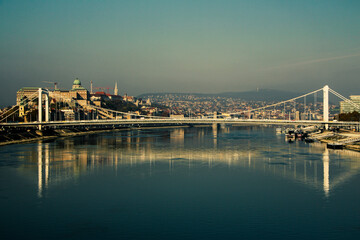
column 77, row 85
column 79, row 93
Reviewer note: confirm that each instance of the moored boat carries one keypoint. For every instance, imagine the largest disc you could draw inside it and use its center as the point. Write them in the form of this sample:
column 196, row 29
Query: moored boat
column 309, row 140
column 335, row 145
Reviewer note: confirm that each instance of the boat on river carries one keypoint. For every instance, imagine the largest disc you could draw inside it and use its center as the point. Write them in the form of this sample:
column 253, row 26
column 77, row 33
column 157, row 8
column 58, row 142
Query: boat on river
column 335, row 145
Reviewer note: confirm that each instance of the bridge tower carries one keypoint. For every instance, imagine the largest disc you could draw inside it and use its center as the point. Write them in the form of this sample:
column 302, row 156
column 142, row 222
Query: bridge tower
column 215, row 115
column 40, row 106
column 326, row 105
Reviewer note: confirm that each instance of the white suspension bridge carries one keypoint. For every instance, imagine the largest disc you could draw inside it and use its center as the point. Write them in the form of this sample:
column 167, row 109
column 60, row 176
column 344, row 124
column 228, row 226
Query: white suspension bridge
column 110, row 118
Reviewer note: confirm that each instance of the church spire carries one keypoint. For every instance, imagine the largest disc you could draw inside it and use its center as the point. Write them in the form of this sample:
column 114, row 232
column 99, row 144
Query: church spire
column 116, row 89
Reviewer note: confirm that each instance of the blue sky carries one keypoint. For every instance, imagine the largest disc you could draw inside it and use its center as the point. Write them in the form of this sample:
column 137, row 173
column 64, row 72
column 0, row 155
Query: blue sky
column 180, row 46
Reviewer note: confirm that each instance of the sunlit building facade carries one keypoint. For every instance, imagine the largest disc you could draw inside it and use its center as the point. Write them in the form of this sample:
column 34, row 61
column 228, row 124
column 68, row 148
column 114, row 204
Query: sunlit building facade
column 77, row 93
column 346, row 107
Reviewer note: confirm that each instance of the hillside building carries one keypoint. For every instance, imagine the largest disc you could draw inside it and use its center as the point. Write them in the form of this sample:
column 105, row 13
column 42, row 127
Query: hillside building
column 77, row 93
column 346, row 107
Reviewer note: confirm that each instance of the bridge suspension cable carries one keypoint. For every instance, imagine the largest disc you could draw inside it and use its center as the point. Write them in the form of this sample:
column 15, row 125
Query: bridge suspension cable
column 108, row 113
column 276, row 104
column 126, row 113
column 30, row 99
column 344, row 98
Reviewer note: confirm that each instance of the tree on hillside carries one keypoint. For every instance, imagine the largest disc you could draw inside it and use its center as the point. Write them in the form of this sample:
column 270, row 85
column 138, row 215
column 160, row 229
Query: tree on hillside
column 354, row 116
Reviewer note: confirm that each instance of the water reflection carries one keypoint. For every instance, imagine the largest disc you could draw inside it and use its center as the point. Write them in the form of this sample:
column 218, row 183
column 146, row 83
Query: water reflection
column 40, row 166
column 326, row 160
column 257, row 149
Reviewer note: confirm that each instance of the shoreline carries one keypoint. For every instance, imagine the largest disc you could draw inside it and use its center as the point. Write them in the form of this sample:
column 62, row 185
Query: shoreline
column 79, row 133
column 337, row 138
column 36, row 135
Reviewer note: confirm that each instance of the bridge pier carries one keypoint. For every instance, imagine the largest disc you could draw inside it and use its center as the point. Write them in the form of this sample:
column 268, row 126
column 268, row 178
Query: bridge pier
column 215, row 115
column 326, row 106
column 46, row 107
column 40, row 107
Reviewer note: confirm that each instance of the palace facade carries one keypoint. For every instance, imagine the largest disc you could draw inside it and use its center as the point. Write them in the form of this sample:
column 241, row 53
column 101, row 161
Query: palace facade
column 77, row 94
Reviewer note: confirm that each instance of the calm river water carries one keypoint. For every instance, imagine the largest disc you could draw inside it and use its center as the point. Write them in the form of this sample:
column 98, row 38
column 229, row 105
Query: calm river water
column 181, row 183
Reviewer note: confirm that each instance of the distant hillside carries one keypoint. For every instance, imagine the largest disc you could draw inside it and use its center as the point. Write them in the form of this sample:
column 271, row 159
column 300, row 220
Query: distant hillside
column 257, row 95
column 261, row 95
column 146, row 95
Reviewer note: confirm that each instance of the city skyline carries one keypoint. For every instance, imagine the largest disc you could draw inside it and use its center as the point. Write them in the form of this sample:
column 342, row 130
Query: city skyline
column 180, row 46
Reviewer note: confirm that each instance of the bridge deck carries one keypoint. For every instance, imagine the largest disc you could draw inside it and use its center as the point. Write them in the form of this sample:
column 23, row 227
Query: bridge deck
column 167, row 121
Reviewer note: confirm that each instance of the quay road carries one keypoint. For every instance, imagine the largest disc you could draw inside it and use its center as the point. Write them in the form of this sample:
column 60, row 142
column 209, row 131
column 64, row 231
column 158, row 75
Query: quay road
column 170, row 121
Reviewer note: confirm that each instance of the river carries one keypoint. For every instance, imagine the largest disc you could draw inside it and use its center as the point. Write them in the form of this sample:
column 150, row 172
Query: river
column 237, row 182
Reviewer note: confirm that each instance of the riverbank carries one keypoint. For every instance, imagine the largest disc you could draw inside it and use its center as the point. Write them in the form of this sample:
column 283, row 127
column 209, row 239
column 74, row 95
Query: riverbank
column 31, row 135
column 347, row 139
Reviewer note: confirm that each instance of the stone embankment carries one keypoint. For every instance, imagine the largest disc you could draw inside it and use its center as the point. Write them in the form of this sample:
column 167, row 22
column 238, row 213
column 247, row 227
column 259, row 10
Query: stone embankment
column 30, row 135
column 23, row 136
column 348, row 139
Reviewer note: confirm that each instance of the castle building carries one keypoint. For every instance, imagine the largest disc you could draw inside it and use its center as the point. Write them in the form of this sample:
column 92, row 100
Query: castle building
column 78, row 94
column 26, row 92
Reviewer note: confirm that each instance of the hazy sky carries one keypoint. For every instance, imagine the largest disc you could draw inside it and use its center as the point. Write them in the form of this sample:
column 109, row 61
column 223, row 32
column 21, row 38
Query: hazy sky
column 180, row 46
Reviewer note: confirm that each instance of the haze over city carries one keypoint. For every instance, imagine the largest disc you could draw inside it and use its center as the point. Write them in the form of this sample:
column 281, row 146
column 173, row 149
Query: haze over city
column 180, row 46
column 180, row 119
